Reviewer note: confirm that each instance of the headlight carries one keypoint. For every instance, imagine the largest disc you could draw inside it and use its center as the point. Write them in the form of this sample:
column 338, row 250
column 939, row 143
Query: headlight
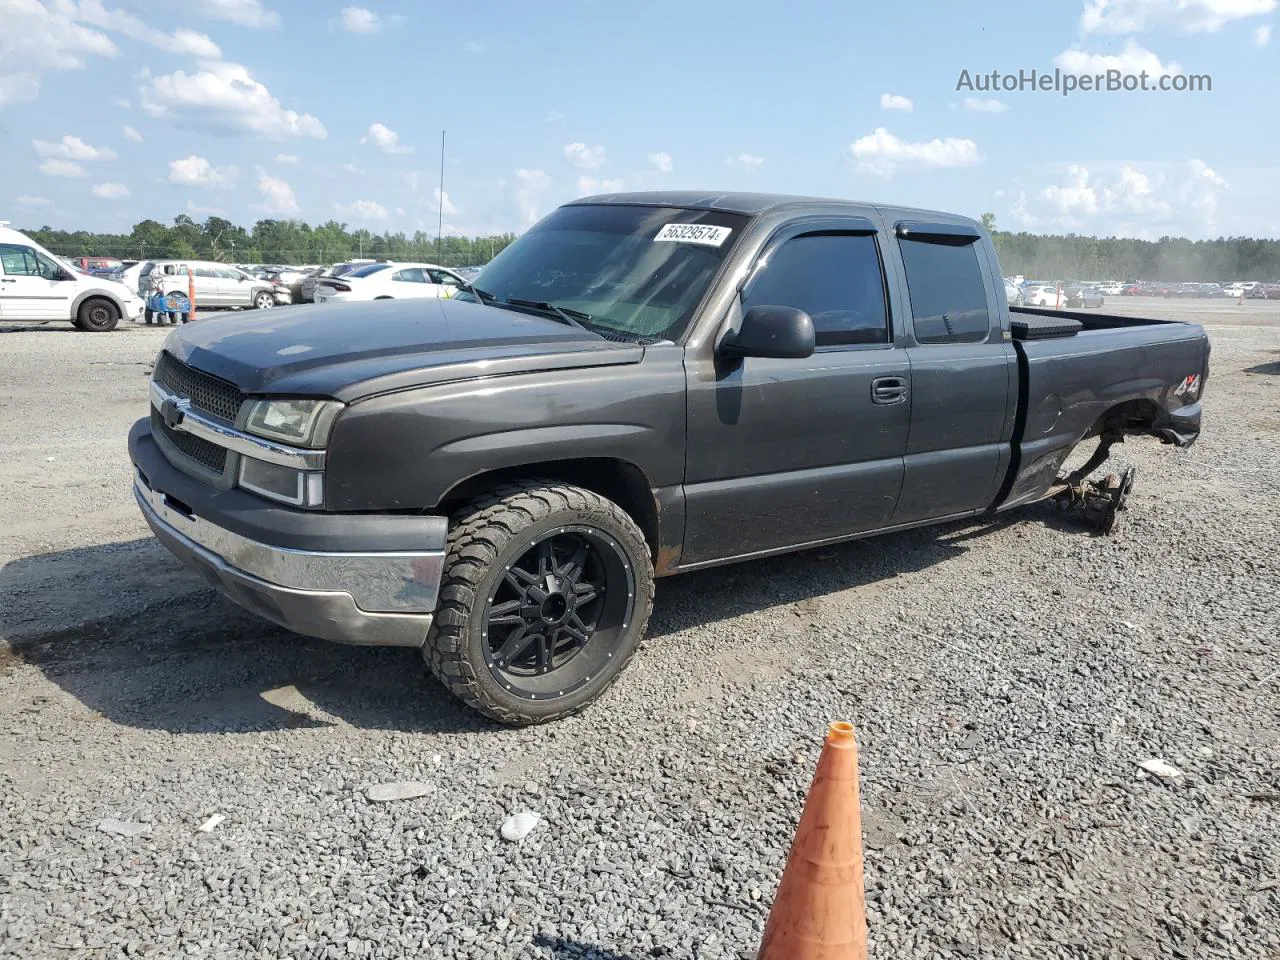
column 302, row 423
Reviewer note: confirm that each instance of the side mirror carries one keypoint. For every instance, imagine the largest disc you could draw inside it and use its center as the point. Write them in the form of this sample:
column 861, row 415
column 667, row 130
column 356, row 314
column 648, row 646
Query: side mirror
column 771, row 331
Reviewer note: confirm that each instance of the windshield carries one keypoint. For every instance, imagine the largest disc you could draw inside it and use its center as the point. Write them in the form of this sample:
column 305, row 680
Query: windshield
column 621, row 265
column 369, row 270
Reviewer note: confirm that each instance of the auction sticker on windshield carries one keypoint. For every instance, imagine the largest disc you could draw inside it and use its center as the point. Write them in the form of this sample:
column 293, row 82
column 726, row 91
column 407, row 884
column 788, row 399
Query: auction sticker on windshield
column 702, row 233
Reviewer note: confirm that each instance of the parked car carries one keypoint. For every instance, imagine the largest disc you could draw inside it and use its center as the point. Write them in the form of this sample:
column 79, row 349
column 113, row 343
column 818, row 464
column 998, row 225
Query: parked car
column 1111, row 288
column 1241, row 288
column 639, row 386
column 92, row 265
column 218, row 286
column 307, row 288
column 1082, row 297
column 128, row 274
column 1041, row 295
column 1131, row 290
column 37, row 285
column 1012, row 293
column 390, row 281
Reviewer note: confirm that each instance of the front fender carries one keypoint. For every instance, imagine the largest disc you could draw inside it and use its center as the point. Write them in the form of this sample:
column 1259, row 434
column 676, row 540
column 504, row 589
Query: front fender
column 408, row 450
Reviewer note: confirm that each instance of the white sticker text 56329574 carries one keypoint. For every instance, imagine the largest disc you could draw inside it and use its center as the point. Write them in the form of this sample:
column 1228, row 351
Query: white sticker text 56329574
column 703, row 233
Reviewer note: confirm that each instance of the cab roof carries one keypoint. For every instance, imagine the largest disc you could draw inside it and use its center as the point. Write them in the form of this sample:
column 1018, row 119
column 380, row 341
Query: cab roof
column 755, row 204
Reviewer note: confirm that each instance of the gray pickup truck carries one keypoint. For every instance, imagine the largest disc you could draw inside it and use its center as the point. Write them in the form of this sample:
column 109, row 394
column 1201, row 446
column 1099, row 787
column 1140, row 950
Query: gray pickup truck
column 641, row 385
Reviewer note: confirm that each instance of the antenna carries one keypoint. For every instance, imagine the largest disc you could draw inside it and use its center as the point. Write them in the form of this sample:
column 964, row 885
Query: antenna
column 440, row 199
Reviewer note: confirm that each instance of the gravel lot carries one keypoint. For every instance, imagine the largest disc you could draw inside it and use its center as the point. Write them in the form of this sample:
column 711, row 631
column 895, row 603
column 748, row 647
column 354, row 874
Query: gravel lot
column 1006, row 679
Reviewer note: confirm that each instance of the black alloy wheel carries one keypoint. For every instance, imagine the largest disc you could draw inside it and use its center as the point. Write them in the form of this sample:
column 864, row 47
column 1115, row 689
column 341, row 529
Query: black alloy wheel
column 546, row 593
column 557, row 614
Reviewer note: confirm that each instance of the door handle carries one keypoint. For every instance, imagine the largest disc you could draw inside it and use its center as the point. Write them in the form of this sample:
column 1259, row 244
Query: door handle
column 887, row 390
column 7, row 280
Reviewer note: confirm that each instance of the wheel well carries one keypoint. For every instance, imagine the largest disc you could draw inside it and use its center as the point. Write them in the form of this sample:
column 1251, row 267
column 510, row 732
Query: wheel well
column 1130, row 417
column 91, row 297
column 622, row 482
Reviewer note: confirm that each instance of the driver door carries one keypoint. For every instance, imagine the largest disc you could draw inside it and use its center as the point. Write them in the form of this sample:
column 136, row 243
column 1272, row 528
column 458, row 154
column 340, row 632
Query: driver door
column 787, row 452
column 31, row 285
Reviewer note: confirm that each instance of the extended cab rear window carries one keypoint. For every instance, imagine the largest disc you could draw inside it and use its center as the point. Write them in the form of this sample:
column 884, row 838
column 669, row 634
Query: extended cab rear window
column 944, row 283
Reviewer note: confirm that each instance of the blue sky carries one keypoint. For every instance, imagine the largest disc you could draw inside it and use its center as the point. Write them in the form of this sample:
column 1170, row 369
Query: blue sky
column 116, row 110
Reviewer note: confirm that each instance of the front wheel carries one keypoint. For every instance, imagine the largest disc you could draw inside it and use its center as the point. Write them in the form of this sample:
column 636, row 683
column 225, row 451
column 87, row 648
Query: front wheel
column 264, row 301
column 97, row 316
column 546, row 594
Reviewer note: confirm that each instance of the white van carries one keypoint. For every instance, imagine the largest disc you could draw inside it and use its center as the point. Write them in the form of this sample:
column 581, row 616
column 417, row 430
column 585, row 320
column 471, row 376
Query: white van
column 36, row 285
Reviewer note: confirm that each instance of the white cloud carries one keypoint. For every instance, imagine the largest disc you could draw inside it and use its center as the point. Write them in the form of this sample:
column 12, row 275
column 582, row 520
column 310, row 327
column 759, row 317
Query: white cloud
column 980, row 105
column 1262, row 36
column 110, row 191
column 892, row 101
column 223, row 98
column 1190, row 16
column 385, row 139
column 437, row 197
column 1134, row 192
column 362, row 210
column 191, row 44
column 352, row 168
column 35, row 37
column 590, row 185
column 1201, row 190
column 584, row 157
column 246, row 13
column 26, row 200
column 1129, row 199
column 277, row 196
column 745, row 161
column 18, row 88
column 123, row 103
column 1074, row 197
column 62, row 168
column 532, row 185
column 131, row 134
column 881, row 153
column 198, row 211
column 194, row 171
column 183, row 42
column 72, row 148
column 1134, row 58
column 288, row 159
column 554, row 116
column 661, row 162
column 360, row 20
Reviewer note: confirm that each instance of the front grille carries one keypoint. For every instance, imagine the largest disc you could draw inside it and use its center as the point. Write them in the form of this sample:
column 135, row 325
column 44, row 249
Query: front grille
column 200, row 450
column 208, row 394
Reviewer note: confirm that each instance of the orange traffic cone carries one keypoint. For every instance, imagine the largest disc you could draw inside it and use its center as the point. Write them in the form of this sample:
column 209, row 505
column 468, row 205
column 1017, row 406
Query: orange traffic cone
column 820, row 912
column 191, row 294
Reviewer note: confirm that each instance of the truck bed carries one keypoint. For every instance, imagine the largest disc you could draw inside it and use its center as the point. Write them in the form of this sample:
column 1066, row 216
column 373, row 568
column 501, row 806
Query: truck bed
column 1091, row 319
column 1122, row 370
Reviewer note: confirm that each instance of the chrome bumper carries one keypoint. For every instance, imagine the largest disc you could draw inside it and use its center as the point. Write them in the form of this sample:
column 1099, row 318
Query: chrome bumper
column 371, row 599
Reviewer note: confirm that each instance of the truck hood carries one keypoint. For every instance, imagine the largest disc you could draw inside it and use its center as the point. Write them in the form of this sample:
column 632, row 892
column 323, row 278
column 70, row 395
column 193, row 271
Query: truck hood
column 352, row 350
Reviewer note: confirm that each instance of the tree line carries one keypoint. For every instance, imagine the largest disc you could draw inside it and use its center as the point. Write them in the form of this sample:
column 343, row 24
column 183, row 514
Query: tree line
column 1170, row 259
column 268, row 241
column 1051, row 257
